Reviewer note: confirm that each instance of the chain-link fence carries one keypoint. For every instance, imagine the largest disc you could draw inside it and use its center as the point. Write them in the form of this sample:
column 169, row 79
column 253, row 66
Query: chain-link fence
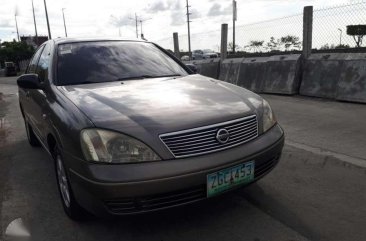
column 286, row 33
column 330, row 25
column 281, row 34
column 208, row 40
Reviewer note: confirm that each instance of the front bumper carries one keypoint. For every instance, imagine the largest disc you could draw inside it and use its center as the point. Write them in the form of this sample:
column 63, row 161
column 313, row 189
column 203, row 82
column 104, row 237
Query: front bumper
column 136, row 188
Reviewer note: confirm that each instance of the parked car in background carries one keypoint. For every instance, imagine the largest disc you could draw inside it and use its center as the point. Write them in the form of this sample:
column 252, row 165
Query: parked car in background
column 209, row 54
column 197, row 54
column 10, row 69
column 131, row 129
column 204, row 54
column 185, row 58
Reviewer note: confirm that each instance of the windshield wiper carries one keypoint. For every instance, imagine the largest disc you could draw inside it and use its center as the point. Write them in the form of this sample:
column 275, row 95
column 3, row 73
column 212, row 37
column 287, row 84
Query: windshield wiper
column 146, row 77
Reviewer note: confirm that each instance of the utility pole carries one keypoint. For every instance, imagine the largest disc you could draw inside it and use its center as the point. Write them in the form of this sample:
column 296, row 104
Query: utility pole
column 16, row 25
column 141, row 21
column 48, row 23
column 35, row 24
column 189, row 31
column 234, row 19
column 137, row 30
column 63, row 15
column 136, row 23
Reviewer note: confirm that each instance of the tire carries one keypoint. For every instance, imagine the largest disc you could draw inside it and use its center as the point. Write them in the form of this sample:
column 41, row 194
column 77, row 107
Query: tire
column 72, row 209
column 32, row 139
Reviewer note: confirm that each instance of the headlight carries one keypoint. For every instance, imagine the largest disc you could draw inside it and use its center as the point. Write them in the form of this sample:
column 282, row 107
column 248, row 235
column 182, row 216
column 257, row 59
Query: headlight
column 111, row 147
column 269, row 119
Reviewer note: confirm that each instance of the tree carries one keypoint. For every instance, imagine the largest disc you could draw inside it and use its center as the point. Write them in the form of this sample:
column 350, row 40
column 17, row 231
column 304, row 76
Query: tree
column 273, row 44
column 15, row 51
column 357, row 32
column 339, row 46
column 342, row 46
column 231, row 46
column 327, row 47
column 255, row 45
column 291, row 41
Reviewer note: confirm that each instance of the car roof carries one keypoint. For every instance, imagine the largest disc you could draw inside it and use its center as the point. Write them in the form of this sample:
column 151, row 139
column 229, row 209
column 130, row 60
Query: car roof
column 58, row 41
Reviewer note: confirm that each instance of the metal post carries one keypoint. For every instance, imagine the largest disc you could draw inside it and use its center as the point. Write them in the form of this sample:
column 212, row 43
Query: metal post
column 63, row 16
column 176, row 45
column 224, row 31
column 307, row 31
column 189, row 31
column 16, row 25
column 35, row 24
column 340, row 36
column 48, row 23
column 234, row 20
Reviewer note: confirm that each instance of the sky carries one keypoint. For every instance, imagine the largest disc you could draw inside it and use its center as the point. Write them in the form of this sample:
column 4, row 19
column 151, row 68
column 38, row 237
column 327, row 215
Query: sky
column 88, row 18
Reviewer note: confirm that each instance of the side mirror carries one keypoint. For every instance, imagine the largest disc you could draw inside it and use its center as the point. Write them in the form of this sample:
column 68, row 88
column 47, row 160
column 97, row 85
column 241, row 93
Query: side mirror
column 192, row 67
column 29, row 81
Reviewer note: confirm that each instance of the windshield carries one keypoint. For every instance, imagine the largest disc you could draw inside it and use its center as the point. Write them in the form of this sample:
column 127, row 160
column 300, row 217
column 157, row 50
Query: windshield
column 95, row 62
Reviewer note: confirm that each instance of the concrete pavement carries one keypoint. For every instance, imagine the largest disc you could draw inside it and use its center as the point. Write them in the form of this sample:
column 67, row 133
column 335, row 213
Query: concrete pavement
column 313, row 194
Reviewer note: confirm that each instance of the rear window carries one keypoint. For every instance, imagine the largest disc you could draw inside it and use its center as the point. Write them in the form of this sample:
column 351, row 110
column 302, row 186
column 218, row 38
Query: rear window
column 95, row 62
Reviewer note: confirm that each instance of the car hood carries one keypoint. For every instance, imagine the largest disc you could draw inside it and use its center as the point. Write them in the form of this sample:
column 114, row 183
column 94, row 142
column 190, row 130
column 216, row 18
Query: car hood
column 161, row 105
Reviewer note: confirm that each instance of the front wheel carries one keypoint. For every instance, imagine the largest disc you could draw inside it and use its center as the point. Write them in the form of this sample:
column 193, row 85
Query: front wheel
column 71, row 207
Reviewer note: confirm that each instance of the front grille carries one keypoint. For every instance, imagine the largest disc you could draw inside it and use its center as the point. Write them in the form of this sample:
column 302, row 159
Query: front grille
column 203, row 140
column 155, row 202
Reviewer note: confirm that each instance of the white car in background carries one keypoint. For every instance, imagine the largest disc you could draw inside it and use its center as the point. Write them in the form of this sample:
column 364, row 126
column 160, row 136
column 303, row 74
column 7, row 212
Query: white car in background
column 204, row 54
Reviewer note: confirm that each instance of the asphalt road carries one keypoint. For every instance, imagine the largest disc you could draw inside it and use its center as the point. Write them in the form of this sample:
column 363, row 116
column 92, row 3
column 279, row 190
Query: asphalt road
column 317, row 192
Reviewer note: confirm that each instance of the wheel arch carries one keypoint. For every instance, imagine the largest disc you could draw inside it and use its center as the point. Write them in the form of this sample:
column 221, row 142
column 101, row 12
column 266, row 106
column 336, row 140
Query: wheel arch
column 53, row 141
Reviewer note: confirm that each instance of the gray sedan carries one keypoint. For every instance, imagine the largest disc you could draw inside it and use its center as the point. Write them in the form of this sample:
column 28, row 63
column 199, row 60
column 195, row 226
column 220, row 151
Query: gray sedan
column 131, row 129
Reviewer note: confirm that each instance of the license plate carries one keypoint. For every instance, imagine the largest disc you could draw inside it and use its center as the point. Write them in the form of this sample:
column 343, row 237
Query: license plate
column 230, row 177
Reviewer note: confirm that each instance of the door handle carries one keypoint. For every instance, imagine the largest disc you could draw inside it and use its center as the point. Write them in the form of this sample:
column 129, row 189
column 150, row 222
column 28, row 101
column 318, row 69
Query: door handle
column 27, row 94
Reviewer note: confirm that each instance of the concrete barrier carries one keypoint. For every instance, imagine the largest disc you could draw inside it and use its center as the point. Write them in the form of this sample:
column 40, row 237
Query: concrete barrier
column 340, row 76
column 352, row 81
column 282, row 75
column 229, row 70
column 208, row 67
column 252, row 73
column 321, row 75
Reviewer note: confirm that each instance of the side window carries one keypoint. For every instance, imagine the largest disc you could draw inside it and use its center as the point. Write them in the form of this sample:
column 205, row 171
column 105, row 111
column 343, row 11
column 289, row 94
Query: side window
column 43, row 63
column 33, row 64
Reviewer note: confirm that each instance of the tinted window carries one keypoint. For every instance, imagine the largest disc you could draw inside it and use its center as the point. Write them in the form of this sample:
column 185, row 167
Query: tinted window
column 33, row 64
column 43, row 63
column 91, row 62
